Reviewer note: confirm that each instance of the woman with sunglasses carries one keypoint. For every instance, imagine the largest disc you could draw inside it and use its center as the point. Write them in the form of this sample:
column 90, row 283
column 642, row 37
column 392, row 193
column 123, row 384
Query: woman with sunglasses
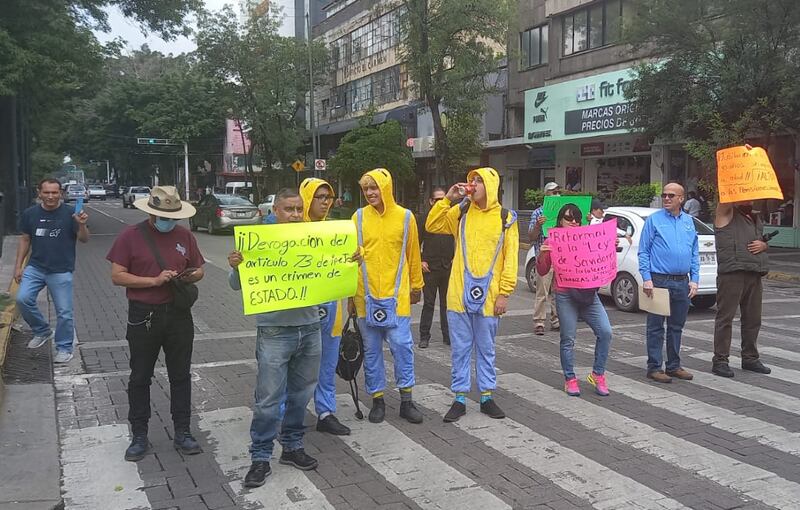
column 573, row 304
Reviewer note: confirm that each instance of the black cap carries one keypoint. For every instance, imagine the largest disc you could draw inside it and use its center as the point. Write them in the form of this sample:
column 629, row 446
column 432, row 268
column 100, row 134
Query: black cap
column 597, row 204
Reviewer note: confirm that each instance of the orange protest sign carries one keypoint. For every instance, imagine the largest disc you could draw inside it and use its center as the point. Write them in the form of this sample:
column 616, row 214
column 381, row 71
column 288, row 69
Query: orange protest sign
column 745, row 173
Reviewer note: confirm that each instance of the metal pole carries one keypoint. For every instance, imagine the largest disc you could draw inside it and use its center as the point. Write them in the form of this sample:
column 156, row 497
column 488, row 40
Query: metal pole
column 108, row 172
column 186, row 168
column 311, row 88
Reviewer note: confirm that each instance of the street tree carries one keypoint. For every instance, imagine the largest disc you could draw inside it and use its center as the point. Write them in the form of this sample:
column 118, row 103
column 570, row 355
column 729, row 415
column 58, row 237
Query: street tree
column 266, row 76
column 452, row 49
column 51, row 60
column 373, row 146
column 724, row 71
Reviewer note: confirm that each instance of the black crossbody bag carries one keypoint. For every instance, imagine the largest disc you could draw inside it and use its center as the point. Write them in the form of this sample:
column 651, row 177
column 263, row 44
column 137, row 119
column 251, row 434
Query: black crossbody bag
column 184, row 294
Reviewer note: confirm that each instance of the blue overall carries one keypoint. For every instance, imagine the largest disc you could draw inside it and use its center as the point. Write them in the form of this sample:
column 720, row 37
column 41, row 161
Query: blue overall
column 471, row 330
column 325, row 394
column 382, row 323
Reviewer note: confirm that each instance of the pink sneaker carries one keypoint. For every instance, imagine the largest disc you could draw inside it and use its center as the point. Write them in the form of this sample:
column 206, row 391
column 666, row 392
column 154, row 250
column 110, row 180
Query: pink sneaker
column 599, row 383
column 572, row 388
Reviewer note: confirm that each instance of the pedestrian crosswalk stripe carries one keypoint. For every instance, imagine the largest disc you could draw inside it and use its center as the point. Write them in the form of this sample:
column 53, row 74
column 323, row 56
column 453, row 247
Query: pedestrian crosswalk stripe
column 731, row 387
column 768, row 351
column 751, row 481
column 579, row 475
column 286, row 488
column 427, row 480
column 779, row 373
column 94, row 474
column 765, row 433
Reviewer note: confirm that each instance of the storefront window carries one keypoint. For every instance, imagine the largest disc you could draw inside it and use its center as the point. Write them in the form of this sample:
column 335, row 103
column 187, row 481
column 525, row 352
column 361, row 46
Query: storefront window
column 781, row 212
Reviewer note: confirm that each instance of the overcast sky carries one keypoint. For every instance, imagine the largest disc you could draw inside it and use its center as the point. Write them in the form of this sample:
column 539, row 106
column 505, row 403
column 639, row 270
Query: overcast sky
column 128, row 30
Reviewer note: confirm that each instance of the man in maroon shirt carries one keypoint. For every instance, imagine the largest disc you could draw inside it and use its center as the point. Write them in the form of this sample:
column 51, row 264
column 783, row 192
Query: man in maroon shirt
column 155, row 321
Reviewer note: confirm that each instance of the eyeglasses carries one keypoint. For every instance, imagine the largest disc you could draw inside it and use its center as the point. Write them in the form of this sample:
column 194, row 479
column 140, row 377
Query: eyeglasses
column 670, row 195
column 437, row 199
column 324, row 198
column 570, row 219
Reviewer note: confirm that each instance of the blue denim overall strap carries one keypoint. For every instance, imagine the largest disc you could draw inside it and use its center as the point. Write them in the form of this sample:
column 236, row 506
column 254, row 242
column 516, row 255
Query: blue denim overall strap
column 477, row 287
column 382, row 313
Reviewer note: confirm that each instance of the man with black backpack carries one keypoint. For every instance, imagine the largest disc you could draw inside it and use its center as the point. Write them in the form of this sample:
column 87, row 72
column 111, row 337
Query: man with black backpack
column 318, row 198
column 158, row 262
column 480, row 282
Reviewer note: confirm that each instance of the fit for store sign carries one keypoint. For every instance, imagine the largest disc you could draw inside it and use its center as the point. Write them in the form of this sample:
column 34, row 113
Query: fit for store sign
column 580, row 108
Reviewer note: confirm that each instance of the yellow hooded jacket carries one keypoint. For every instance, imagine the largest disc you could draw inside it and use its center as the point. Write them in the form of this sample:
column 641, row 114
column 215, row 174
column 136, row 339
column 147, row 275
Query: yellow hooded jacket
column 308, row 189
column 382, row 243
column 483, row 230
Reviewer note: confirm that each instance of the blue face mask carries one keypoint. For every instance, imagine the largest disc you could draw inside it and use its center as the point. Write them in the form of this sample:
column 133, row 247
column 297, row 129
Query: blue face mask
column 165, row 225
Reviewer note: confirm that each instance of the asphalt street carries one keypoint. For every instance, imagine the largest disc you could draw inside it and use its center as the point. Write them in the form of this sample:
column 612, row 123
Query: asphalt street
column 711, row 443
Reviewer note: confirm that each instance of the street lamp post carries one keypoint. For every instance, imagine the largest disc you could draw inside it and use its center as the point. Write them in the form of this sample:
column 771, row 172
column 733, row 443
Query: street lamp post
column 311, row 88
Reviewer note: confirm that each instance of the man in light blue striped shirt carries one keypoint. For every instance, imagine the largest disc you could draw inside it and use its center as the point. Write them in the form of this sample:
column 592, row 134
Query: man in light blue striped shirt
column 669, row 258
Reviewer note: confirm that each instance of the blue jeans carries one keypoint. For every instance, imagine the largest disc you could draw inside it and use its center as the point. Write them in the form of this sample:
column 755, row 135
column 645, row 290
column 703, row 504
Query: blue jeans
column 595, row 316
column 401, row 343
column 472, row 332
column 60, row 286
column 288, row 366
column 679, row 308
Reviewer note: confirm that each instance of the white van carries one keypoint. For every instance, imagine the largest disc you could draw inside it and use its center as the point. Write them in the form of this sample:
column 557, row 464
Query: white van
column 238, row 188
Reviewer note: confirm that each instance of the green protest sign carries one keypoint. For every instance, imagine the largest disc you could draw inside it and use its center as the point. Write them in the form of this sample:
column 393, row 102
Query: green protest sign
column 553, row 204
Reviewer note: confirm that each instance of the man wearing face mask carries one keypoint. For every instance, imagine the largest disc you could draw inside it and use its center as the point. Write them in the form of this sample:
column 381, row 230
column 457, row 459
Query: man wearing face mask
column 155, row 322
column 741, row 263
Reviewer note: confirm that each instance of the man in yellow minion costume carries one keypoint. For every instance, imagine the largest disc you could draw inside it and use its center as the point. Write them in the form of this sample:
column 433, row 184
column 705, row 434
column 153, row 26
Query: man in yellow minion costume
column 390, row 282
column 318, row 196
column 484, row 274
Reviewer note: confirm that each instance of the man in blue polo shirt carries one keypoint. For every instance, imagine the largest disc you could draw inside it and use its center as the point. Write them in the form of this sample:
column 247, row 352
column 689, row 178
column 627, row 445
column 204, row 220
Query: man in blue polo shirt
column 49, row 231
column 669, row 258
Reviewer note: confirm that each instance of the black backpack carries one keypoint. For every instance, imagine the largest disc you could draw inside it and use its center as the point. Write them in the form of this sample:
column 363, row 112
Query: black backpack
column 351, row 357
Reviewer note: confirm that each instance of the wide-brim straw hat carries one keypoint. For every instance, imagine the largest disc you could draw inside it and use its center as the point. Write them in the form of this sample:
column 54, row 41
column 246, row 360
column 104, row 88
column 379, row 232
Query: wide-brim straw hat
column 165, row 202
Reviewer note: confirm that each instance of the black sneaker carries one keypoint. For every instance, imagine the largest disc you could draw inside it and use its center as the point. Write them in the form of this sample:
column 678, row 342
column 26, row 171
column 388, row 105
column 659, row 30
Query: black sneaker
column 331, row 425
column 185, row 443
column 722, row 370
column 410, row 412
column 299, row 459
column 423, row 344
column 755, row 366
column 457, row 410
column 378, row 411
column 258, row 473
column 492, row 410
column 140, row 446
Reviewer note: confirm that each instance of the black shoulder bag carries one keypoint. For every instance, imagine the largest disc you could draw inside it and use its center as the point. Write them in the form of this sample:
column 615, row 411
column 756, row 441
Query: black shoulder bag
column 184, row 294
column 351, row 357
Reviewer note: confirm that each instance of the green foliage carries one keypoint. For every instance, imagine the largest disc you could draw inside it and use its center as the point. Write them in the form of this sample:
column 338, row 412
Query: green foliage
column 451, row 49
column 728, row 72
column 50, row 58
column 369, row 147
column 266, row 78
column 640, row 195
column 534, row 197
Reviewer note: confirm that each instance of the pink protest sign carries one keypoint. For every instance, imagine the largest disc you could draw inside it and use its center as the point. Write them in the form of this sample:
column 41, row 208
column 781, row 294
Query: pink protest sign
column 584, row 257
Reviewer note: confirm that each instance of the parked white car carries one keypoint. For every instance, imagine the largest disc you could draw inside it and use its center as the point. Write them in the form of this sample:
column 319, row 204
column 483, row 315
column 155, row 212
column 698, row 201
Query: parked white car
column 625, row 287
column 266, row 206
column 97, row 191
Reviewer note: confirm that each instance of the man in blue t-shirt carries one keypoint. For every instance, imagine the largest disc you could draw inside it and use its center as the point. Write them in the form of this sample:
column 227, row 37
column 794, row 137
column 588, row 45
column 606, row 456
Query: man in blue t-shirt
column 49, row 231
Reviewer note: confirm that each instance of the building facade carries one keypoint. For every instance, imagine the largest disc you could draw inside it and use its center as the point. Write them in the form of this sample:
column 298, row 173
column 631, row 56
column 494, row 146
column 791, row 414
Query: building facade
column 568, row 119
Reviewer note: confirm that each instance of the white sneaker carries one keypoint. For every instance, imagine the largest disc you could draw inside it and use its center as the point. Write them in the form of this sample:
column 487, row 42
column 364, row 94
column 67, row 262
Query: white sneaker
column 39, row 341
column 62, row 357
